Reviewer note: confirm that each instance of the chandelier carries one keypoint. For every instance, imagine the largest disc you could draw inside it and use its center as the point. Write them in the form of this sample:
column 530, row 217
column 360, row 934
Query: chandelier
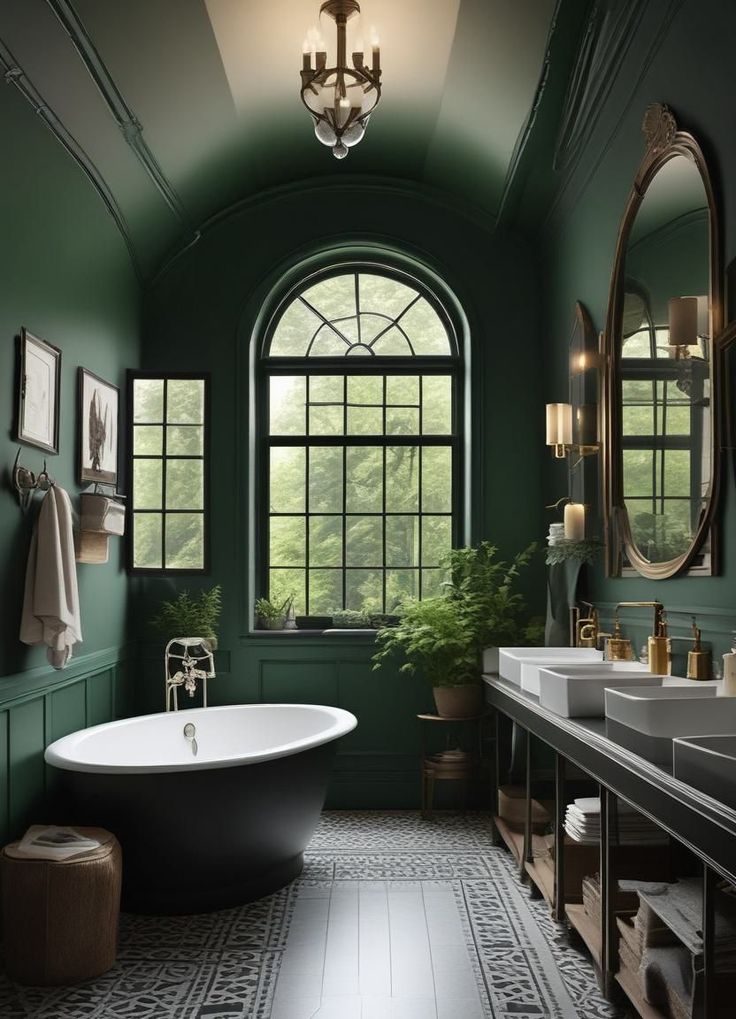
column 340, row 99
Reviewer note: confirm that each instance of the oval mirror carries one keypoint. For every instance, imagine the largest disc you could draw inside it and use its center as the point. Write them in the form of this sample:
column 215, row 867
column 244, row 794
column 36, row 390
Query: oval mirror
column 664, row 310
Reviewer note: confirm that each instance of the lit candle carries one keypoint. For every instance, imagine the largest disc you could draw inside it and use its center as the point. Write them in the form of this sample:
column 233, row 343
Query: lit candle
column 306, row 56
column 575, row 521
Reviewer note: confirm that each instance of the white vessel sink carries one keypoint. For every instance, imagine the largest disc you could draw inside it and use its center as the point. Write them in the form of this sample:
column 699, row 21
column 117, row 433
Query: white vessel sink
column 511, row 659
column 707, row 763
column 647, row 720
column 577, row 691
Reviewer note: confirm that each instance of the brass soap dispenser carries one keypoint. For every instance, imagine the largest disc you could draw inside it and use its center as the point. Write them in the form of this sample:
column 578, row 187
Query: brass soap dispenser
column 698, row 659
column 660, row 650
column 618, row 647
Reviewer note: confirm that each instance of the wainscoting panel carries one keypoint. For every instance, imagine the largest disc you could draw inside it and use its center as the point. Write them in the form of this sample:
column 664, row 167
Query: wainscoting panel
column 299, row 681
column 41, row 706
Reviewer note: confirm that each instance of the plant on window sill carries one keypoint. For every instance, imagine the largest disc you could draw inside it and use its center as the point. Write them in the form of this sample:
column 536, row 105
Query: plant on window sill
column 188, row 616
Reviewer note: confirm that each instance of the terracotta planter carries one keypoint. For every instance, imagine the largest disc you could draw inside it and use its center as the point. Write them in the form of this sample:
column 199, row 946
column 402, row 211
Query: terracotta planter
column 463, row 701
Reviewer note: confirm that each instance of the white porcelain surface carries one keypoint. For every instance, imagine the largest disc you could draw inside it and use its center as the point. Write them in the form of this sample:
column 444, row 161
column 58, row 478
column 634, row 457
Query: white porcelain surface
column 707, row 763
column 579, row 691
column 531, row 671
column 511, row 659
column 227, row 736
column 673, row 710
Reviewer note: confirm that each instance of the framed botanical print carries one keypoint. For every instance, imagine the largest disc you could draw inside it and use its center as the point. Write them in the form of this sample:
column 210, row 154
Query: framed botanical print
column 98, row 429
column 38, row 393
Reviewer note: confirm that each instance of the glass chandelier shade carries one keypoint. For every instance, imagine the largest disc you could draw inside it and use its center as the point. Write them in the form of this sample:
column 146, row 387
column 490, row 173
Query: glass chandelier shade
column 340, row 99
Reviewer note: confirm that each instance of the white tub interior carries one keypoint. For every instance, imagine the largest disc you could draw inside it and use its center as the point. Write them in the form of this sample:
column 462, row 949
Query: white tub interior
column 226, row 737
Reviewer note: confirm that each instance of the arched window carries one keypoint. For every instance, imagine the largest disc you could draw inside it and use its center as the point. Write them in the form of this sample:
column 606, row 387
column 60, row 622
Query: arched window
column 360, row 442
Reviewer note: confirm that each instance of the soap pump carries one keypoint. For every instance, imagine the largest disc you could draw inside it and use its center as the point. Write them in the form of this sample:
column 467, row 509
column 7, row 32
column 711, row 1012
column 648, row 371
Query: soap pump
column 660, row 650
column 698, row 659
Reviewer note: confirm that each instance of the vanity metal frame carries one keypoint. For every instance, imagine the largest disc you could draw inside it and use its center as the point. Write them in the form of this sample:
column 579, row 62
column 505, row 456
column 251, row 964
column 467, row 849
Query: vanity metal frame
column 703, row 825
column 664, row 140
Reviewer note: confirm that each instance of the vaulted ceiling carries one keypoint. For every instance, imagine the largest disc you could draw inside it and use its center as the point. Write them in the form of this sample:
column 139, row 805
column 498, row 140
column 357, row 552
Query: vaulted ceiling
column 183, row 107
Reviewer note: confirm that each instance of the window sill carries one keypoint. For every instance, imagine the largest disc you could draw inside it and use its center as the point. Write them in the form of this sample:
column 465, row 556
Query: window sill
column 363, row 635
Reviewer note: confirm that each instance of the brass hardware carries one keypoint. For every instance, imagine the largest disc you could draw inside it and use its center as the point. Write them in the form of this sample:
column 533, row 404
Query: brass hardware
column 664, row 141
column 699, row 665
column 618, row 647
column 659, row 646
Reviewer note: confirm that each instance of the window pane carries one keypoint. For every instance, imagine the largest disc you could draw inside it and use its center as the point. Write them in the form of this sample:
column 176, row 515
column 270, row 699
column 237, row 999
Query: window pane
column 402, row 541
column 437, row 479
column 638, row 478
column 383, row 294
column 148, row 399
column 425, row 329
column 400, row 585
column 364, row 541
column 285, row 583
column 325, row 541
column 333, row 297
column 432, row 581
column 329, row 342
column 364, row 590
column 325, row 592
column 184, row 484
column 402, row 389
column 678, row 420
column 402, row 421
column 391, row 343
column 325, row 479
column 147, row 484
column 364, row 481
column 326, row 420
column 185, row 401
column 436, row 539
column 676, row 472
column 327, row 389
column 365, row 421
column 287, row 541
column 147, row 541
column 287, row 489
column 148, row 440
column 186, row 440
column 437, row 405
column 365, row 389
column 294, row 331
column 402, row 479
column 287, row 399
column 185, row 541
column 638, row 420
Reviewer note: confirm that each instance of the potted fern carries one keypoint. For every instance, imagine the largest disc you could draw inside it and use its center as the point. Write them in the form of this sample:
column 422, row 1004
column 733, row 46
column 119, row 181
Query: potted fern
column 188, row 616
column 444, row 636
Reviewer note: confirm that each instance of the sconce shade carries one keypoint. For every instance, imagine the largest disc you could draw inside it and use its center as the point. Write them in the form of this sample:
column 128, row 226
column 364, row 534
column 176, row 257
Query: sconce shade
column 559, row 424
column 683, row 321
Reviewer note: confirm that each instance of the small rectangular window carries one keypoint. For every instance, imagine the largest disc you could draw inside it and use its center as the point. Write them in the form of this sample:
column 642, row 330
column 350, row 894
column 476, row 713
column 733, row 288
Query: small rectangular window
column 169, row 445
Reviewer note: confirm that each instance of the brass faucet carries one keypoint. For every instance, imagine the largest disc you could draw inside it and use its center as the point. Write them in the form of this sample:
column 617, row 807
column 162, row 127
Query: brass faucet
column 587, row 629
column 622, row 650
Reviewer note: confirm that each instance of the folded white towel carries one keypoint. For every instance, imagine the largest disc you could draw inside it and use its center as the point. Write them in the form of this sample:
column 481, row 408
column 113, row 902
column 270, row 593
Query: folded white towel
column 51, row 601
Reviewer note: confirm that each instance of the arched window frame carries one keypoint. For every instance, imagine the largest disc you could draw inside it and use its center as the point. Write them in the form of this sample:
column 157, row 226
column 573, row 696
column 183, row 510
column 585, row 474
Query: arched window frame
column 263, row 366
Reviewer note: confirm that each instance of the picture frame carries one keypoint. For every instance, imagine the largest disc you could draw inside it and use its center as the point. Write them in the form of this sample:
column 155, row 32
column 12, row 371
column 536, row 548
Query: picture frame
column 98, row 429
column 39, row 393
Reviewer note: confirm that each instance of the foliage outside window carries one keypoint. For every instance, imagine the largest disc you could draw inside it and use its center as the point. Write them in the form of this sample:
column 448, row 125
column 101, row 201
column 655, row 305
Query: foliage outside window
column 361, row 453
column 169, row 423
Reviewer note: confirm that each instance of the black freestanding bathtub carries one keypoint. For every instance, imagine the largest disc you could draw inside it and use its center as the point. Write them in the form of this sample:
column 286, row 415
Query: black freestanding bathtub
column 208, row 818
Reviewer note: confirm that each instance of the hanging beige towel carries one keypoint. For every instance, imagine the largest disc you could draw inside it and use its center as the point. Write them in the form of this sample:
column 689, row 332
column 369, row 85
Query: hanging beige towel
column 51, row 603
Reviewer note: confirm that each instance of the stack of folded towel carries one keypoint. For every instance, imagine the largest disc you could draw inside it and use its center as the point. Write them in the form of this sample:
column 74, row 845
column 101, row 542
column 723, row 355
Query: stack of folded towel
column 583, row 824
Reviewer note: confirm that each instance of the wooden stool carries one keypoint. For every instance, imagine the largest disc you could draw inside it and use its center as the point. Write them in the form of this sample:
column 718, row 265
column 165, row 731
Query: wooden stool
column 60, row 917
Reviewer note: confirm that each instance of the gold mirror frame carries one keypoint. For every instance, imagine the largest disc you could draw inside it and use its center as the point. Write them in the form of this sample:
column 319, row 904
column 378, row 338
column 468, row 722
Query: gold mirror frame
column 664, row 140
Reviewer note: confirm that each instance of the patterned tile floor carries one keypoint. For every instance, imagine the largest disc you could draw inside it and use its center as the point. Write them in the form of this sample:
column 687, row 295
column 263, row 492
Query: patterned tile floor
column 516, row 963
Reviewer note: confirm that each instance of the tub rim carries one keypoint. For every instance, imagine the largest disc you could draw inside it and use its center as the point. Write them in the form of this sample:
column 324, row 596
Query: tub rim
column 59, row 754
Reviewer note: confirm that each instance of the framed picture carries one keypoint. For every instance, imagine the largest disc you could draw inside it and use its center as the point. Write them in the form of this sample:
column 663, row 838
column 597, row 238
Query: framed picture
column 38, row 393
column 98, row 429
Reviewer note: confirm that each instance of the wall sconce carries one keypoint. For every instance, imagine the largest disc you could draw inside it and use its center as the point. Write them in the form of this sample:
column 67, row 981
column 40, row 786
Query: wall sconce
column 688, row 325
column 572, row 430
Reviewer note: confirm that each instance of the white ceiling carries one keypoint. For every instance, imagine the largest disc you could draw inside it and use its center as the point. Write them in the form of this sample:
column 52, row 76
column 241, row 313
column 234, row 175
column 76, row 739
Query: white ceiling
column 215, row 86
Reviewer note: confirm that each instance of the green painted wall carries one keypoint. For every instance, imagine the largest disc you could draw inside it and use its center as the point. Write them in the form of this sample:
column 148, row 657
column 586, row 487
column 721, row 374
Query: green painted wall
column 66, row 276
column 199, row 316
column 690, row 71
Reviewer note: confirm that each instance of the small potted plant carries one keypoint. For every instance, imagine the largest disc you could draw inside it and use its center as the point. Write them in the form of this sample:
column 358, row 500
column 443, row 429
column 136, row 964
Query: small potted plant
column 188, row 616
column 272, row 615
column 444, row 636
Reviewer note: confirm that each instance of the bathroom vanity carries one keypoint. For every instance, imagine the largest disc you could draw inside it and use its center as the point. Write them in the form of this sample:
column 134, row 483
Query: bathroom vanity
column 702, row 824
